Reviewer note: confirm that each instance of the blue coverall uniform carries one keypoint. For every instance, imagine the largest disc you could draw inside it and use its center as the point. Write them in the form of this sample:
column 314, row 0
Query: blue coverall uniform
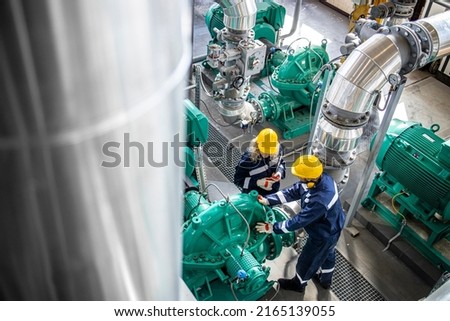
column 248, row 172
column 322, row 217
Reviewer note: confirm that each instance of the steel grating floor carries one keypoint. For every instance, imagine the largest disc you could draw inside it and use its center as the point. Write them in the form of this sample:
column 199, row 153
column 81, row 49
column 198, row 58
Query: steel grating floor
column 348, row 283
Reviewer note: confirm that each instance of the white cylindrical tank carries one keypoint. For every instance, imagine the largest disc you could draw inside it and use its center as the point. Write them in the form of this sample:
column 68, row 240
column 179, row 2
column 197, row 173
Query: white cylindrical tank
column 91, row 123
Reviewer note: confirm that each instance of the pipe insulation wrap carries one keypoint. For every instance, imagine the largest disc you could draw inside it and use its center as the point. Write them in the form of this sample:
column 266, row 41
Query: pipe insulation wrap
column 438, row 27
column 364, row 71
column 239, row 15
column 368, row 67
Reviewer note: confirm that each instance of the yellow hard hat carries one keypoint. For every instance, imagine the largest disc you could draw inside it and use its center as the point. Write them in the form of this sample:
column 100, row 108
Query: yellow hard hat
column 307, row 167
column 267, row 141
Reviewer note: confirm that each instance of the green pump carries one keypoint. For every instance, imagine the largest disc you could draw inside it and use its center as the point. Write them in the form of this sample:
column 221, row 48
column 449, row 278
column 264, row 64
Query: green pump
column 222, row 251
column 293, row 107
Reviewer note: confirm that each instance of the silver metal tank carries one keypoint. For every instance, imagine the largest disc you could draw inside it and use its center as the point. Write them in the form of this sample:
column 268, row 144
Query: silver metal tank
column 91, row 189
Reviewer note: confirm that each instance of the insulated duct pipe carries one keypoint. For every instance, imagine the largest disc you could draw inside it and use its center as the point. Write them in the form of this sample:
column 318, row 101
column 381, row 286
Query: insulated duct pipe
column 393, row 51
column 239, row 15
column 91, row 198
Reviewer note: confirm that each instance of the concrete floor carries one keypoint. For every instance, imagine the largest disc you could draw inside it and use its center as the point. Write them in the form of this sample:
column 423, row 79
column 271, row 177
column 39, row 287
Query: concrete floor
column 424, row 99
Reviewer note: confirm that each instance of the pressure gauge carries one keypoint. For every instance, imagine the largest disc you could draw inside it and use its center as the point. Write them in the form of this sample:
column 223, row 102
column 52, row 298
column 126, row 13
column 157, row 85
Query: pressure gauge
column 394, row 79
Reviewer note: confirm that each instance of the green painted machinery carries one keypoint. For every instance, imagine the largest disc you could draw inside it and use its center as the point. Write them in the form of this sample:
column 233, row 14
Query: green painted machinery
column 223, row 253
column 197, row 135
column 269, row 20
column 236, row 57
column 293, row 107
column 412, row 189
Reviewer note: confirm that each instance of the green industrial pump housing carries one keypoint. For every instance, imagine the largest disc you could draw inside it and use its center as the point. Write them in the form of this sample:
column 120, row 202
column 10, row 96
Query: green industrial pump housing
column 412, row 189
column 292, row 104
column 223, row 254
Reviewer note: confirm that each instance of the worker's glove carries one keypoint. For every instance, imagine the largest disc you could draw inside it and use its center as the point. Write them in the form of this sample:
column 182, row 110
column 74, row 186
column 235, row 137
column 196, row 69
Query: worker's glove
column 265, row 183
column 263, row 200
column 264, row 227
column 276, row 177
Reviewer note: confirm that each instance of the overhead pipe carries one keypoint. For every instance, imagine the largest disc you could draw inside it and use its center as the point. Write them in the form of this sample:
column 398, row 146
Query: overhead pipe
column 349, row 100
column 386, row 56
column 398, row 49
column 239, row 15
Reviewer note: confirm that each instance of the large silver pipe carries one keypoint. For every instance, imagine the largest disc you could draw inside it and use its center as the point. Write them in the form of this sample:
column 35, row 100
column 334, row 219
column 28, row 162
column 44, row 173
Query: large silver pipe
column 239, row 15
column 438, row 27
column 353, row 88
column 350, row 98
column 91, row 96
column 358, row 82
column 367, row 69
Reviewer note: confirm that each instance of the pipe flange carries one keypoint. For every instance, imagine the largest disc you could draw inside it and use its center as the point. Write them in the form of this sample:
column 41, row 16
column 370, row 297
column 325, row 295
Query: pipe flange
column 413, row 41
column 260, row 118
column 269, row 106
column 235, row 37
column 344, row 119
column 247, row 43
column 429, row 49
column 275, row 246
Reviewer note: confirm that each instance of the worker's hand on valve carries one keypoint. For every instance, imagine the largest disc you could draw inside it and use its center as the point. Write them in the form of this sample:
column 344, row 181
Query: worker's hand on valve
column 262, row 227
column 265, row 183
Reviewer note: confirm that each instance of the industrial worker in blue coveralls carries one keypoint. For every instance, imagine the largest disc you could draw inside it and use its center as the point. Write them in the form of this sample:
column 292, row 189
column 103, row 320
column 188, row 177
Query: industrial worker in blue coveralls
column 261, row 166
column 321, row 216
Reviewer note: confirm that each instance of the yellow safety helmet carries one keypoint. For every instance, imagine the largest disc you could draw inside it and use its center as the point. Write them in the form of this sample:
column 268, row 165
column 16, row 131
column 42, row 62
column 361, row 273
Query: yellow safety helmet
column 267, row 141
column 307, row 167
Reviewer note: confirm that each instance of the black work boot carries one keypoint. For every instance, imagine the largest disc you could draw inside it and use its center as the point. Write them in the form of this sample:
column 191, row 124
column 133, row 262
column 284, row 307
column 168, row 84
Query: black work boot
column 292, row 284
column 324, row 285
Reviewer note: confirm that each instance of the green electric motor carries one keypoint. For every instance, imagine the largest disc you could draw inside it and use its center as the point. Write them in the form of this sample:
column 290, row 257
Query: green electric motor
column 222, row 251
column 419, row 160
column 414, row 172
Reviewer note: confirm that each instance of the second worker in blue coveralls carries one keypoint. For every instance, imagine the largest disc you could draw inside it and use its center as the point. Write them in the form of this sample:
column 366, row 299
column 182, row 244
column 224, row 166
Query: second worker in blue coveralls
column 321, row 216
